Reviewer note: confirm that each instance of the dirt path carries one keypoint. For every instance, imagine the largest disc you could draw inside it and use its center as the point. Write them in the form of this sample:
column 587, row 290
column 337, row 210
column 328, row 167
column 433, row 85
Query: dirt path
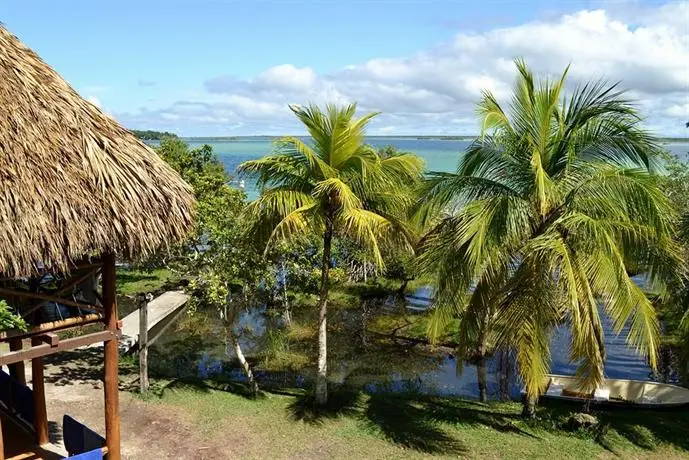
column 149, row 430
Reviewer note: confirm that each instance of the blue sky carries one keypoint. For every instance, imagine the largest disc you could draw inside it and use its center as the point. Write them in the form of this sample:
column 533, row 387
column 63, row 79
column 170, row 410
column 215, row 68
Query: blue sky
column 214, row 67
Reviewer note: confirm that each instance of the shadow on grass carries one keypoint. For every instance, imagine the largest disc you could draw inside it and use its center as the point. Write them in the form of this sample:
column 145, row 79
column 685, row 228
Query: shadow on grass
column 407, row 423
column 434, row 425
column 399, row 418
column 467, row 412
column 342, row 401
column 646, row 429
column 206, row 386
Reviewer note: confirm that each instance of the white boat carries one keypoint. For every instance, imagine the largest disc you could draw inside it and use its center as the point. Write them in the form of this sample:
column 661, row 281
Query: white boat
column 618, row 392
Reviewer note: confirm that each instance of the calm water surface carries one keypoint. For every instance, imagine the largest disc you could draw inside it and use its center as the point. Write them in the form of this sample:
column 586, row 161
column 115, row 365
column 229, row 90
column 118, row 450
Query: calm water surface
column 362, row 360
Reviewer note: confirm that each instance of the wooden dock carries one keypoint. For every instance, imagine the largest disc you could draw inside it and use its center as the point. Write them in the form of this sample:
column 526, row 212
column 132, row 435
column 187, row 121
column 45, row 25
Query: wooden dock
column 162, row 312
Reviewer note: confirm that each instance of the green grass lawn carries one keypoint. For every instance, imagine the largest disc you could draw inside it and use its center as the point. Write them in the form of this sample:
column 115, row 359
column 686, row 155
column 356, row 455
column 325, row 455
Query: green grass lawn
column 132, row 282
column 356, row 425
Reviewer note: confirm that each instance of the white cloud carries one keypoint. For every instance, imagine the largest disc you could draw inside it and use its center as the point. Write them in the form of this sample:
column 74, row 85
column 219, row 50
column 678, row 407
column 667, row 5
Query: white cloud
column 286, row 77
column 646, row 47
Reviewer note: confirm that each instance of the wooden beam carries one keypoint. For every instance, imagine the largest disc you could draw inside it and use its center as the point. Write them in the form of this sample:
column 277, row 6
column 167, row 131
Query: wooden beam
column 63, row 289
column 40, row 419
column 49, row 298
column 111, row 351
column 52, row 326
column 89, row 265
column 17, row 370
column 63, row 345
column 50, row 338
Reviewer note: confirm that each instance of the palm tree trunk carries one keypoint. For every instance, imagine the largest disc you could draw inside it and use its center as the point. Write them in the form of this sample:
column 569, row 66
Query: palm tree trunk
column 403, row 288
column 322, row 376
column 505, row 367
column 286, row 312
column 529, row 409
column 242, row 360
column 481, row 371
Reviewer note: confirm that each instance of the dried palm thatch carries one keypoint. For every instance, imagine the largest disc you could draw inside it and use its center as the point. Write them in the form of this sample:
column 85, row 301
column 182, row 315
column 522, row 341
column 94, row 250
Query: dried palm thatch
column 73, row 182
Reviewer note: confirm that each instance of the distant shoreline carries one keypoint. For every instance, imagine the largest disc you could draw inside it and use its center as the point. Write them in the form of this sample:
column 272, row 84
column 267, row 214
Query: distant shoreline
column 683, row 140
column 260, row 138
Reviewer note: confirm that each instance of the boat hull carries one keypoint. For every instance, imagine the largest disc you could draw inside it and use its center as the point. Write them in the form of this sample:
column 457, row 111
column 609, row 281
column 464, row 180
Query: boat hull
column 618, row 394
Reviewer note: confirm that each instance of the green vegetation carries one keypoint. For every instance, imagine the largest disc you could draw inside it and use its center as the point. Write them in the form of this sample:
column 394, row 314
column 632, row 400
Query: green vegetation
column 560, row 206
column 355, row 425
column 135, row 281
column 10, row 319
column 337, row 187
column 221, row 259
column 553, row 209
column 149, row 135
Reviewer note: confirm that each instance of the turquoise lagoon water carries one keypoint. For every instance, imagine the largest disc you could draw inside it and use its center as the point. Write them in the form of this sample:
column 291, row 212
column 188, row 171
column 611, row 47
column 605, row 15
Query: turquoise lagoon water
column 439, row 154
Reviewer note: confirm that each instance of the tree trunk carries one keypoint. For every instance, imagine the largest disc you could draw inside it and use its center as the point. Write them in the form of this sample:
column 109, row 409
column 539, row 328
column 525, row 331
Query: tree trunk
column 505, row 358
column 286, row 312
column 402, row 289
column 482, row 378
column 481, row 371
column 529, row 409
column 364, row 320
column 322, row 376
column 242, row 360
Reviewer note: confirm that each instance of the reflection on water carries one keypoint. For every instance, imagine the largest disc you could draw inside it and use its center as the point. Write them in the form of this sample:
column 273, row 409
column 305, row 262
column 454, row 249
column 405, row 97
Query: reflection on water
column 201, row 349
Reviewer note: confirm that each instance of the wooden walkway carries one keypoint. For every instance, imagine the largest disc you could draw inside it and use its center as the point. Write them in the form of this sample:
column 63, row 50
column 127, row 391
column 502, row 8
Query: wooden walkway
column 162, row 312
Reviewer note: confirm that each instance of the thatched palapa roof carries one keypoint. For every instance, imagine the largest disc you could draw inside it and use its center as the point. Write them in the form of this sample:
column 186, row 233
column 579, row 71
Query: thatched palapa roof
column 73, row 182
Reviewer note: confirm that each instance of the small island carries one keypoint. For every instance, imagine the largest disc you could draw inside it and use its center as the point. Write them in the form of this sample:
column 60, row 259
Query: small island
column 150, row 135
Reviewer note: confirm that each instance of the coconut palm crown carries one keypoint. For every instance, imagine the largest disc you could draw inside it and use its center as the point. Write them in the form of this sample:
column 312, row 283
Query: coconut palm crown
column 552, row 209
column 334, row 185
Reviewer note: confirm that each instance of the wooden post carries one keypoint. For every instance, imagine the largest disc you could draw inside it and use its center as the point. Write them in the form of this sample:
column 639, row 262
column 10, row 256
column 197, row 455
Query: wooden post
column 143, row 342
column 2, row 444
column 17, row 370
column 111, row 378
column 40, row 421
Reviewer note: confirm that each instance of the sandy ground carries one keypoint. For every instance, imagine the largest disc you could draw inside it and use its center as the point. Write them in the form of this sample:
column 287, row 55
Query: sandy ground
column 149, row 431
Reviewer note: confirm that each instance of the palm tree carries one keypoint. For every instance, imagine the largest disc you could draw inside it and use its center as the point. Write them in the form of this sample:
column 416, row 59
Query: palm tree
column 550, row 210
column 335, row 186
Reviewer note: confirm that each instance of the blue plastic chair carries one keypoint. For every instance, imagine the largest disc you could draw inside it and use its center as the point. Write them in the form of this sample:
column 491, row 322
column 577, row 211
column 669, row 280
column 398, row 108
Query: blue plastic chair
column 23, row 401
column 80, row 439
column 96, row 454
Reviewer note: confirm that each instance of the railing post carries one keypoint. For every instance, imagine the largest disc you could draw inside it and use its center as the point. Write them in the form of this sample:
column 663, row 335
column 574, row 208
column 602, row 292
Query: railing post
column 40, row 421
column 143, row 341
column 111, row 356
column 17, row 370
column 2, row 444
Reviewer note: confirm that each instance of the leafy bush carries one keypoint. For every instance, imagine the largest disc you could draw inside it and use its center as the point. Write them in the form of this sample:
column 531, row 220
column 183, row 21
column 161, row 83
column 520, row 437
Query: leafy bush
column 9, row 319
